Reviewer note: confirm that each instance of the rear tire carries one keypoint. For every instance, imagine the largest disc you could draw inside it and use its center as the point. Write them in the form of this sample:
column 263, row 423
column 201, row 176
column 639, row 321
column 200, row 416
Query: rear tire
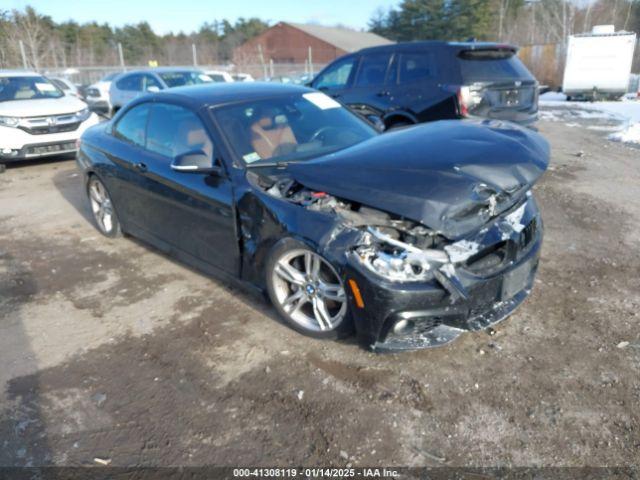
column 307, row 292
column 104, row 214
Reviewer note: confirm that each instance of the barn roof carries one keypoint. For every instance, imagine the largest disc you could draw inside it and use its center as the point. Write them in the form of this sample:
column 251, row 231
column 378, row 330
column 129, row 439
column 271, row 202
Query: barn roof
column 342, row 38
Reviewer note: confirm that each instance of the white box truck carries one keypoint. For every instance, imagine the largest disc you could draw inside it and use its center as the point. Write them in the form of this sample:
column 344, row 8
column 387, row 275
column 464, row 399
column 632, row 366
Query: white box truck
column 599, row 63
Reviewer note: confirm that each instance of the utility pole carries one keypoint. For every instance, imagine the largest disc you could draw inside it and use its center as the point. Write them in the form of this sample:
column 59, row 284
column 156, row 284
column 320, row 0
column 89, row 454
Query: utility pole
column 195, row 54
column 310, row 62
column 24, row 55
column 121, row 56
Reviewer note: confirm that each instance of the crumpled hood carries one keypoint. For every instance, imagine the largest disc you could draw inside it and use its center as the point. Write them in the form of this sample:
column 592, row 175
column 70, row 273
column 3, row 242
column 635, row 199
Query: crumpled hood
column 41, row 107
column 451, row 176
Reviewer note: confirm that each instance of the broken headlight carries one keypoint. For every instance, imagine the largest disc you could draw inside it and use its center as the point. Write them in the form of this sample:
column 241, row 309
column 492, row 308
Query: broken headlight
column 396, row 260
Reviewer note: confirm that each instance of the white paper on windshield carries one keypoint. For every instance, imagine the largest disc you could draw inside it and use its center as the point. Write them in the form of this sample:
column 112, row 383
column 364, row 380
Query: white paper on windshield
column 251, row 157
column 45, row 87
column 322, row 101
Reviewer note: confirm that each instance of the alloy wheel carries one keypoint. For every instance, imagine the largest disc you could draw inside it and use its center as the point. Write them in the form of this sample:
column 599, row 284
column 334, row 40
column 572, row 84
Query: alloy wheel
column 101, row 207
column 309, row 290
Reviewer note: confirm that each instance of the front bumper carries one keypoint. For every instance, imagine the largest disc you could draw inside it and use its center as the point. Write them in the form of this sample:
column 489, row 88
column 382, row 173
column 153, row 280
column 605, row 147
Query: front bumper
column 16, row 144
column 98, row 105
column 404, row 316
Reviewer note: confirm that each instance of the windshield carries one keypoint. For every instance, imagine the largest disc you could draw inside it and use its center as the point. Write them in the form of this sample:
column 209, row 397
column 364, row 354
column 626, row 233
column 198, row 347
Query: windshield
column 180, row 79
column 491, row 65
column 27, row 88
column 290, row 128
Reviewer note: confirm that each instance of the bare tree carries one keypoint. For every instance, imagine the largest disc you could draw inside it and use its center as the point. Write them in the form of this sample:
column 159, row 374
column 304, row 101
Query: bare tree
column 35, row 31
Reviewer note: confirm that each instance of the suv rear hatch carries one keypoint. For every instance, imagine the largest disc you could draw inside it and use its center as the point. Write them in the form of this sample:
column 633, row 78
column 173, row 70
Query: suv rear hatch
column 496, row 84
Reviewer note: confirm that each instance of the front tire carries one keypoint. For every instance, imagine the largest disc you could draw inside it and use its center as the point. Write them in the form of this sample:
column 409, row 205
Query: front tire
column 104, row 215
column 307, row 291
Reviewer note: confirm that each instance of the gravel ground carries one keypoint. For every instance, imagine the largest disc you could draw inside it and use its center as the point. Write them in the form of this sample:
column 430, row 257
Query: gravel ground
column 111, row 350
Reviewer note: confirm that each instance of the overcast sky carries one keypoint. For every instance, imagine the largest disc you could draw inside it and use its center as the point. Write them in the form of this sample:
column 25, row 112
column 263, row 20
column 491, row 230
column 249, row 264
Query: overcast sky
column 187, row 15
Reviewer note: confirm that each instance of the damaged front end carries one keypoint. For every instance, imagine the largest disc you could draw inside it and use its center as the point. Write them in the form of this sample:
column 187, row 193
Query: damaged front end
column 425, row 297
column 418, row 288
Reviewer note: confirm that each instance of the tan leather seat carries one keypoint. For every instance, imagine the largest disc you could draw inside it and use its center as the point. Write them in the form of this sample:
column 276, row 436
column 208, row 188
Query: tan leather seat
column 267, row 138
column 192, row 135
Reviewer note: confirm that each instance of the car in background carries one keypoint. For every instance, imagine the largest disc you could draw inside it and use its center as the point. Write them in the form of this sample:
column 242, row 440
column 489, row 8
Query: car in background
column 130, row 85
column 243, row 77
column 302, row 79
column 408, row 83
column 66, row 86
column 97, row 95
column 37, row 119
column 219, row 76
column 410, row 237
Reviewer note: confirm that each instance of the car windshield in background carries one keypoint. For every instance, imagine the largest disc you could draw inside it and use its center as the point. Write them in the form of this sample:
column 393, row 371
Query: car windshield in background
column 491, row 65
column 109, row 77
column 290, row 128
column 27, row 88
column 180, row 79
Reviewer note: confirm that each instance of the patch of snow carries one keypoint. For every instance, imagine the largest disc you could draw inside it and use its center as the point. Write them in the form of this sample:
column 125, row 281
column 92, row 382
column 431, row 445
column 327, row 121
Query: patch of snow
column 604, row 128
column 631, row 134
column 622, row 118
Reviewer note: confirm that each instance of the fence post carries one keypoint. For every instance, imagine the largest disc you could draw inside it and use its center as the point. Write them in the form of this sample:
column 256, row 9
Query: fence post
column 264, row 65
column 24, row 55
column 310, row 62
column 195, row 54
column 121, row 56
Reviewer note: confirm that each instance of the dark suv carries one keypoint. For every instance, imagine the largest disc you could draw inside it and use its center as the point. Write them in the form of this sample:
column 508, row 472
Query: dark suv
column 408, row 83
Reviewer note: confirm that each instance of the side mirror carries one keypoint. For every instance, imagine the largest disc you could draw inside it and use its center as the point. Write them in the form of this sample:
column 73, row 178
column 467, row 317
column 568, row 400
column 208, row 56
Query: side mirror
column 195, row 161
column 153, row 89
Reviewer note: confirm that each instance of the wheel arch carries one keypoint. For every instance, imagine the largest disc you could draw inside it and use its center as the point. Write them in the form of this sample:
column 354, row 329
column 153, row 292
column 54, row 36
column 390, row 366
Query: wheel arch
column 398, row 116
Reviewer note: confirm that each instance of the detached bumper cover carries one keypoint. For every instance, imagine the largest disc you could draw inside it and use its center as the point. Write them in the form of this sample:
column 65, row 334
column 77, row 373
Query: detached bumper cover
column 429, row 314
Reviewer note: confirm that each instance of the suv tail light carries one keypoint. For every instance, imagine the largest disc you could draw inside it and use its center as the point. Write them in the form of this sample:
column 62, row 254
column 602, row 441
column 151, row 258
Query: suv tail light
column 469, row 96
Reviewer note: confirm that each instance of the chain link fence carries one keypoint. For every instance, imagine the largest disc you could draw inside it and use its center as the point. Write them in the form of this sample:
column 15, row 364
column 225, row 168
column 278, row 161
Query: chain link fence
column 279, row 72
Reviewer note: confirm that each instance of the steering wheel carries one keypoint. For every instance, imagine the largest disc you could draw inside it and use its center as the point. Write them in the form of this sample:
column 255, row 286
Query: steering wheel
column 322, row 131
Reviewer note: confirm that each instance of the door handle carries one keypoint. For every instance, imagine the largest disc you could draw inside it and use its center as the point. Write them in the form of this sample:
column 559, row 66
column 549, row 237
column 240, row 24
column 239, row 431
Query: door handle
column 141, row 167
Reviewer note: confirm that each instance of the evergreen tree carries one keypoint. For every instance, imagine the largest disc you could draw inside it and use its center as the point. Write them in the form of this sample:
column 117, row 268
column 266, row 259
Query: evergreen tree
column 437, row 19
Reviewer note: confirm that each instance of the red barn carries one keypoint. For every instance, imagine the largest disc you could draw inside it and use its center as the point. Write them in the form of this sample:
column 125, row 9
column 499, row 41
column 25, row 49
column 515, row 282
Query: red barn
column 288, row 42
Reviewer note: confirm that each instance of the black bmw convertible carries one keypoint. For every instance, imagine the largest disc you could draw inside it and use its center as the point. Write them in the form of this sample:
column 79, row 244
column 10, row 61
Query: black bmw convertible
column 409, row 237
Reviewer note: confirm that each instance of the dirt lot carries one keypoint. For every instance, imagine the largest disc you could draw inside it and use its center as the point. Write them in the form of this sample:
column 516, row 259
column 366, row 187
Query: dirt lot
column 111, row 350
